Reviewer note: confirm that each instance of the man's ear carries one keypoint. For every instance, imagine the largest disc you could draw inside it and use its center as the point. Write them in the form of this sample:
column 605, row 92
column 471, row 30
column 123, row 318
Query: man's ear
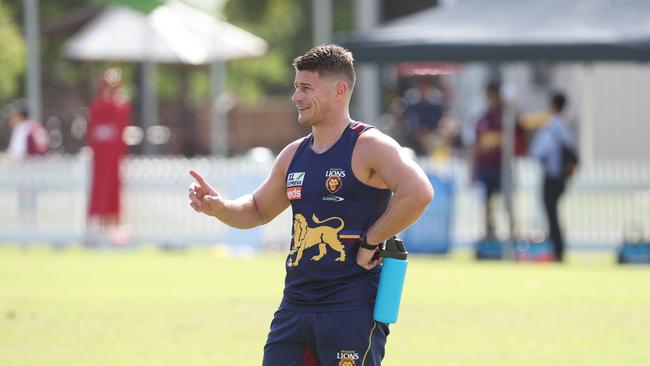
column 342, row 88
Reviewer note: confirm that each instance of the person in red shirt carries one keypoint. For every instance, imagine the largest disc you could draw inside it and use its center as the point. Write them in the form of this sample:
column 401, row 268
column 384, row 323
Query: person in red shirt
column 109, row 114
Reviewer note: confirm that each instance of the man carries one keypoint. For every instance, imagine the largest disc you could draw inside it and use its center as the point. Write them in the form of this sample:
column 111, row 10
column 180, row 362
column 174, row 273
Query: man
column 28, row 137
column 547, row 148
column 486, row 155
column 338, row 181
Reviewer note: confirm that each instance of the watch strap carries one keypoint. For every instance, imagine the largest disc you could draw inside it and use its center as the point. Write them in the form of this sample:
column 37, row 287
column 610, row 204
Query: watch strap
column 364, row 244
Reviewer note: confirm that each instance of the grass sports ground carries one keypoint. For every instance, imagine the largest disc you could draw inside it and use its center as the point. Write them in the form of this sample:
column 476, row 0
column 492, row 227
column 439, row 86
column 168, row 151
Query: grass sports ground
column 200, row 307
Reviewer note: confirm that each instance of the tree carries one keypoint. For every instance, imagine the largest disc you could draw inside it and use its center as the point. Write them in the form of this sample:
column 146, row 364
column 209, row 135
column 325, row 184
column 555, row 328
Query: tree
column 285, row 25
column 12, row 57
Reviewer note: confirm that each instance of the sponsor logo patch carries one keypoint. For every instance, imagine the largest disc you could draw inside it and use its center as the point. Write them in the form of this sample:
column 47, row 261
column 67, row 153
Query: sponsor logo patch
column 333, row 198
column 294, row 193
column 295, row 179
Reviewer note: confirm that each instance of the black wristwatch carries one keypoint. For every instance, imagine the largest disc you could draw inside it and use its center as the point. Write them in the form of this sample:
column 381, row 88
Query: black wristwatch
column 364, row 244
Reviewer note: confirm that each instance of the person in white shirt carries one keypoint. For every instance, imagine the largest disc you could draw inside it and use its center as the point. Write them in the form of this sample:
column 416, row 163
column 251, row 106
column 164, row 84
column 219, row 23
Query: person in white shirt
column 28, row 137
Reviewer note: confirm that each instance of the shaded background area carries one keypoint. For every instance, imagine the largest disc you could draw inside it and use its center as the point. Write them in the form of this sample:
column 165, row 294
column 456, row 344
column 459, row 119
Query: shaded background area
column 608, row 199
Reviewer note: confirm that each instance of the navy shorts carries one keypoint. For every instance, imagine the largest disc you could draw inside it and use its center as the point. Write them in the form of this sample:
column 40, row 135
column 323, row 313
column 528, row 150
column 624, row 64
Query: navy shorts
column 343, row 338
column 490, row 178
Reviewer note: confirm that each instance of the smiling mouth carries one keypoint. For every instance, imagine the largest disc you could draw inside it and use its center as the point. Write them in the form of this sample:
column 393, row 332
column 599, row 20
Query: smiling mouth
column 301, row 109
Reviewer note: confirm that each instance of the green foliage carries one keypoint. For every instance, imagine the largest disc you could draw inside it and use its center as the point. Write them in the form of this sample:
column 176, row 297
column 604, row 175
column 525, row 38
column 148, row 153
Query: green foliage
column 193, row 82
column 343, row 16
column 285, row 25
column 144, row 6
column 12, row 56
column 167, row 81
column 199, row 81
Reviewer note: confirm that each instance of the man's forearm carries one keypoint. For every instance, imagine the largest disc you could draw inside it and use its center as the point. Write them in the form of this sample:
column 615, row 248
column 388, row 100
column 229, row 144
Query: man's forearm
column 404, row 208
column 241, row 213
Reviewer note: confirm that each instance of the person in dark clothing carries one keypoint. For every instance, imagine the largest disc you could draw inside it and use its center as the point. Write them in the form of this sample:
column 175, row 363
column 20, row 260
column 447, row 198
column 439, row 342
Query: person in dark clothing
column 350, row 188
column 422, row 115
column 547, row 147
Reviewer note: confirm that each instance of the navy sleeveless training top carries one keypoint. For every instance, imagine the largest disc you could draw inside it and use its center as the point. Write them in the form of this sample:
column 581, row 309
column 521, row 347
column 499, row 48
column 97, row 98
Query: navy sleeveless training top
column 331, row 210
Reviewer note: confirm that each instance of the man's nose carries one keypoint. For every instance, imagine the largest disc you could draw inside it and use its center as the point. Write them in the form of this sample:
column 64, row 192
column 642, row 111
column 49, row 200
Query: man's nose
column 296, row 97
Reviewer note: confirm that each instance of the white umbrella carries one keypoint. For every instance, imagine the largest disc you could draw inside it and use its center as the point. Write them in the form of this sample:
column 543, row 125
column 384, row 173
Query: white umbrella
column 171, row 33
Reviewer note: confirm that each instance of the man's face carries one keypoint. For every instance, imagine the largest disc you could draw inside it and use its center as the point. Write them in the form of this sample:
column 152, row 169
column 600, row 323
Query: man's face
column 15, row 119
column 493, row 100
column 313, row 97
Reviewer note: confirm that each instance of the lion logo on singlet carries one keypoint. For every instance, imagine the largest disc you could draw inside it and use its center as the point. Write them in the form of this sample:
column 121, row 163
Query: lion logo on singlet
column 347, row 362
column 333, row 184
column 305, row 237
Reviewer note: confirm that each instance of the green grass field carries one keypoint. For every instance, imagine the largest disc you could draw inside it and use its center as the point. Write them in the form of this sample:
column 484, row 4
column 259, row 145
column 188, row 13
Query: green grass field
column 146, row 307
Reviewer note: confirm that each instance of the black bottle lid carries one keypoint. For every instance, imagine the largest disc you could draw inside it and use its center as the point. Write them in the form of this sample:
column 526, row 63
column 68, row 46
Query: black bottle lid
column 394, row 248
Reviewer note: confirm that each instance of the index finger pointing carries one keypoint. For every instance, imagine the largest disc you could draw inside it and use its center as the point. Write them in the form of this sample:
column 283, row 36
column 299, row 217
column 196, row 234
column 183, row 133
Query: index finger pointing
column 198, row 178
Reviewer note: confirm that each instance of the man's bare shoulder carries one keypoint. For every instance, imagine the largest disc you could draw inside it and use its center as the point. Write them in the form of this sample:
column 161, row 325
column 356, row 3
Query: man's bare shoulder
column 290, row 149
column 373, row 141
column 284, row 158
column 378, row 160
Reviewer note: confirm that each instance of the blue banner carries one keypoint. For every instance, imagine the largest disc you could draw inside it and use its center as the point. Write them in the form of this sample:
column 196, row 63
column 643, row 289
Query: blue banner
column 432, row 232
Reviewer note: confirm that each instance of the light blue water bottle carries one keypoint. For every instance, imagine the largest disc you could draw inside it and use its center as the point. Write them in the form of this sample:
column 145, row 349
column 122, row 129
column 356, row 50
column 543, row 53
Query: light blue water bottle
column 391, row 281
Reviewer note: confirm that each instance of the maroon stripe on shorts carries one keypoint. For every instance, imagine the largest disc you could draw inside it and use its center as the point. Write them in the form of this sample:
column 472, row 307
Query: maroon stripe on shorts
column 310, row 358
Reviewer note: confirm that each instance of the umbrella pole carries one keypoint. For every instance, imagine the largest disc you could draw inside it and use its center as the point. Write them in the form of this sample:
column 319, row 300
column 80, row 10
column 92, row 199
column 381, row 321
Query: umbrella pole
column 149, row 104
column 33, row 58
column 368, row 97
column 322, row 21
column 507, row 159
column 507, row 178
column 219, row 116
column 587, row 107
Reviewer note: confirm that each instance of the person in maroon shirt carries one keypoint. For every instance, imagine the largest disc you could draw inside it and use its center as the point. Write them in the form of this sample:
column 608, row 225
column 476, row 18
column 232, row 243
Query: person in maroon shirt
column 109, row 114
column 486, row 153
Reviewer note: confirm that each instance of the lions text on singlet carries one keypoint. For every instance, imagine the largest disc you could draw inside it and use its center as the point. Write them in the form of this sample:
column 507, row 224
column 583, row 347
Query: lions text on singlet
column 331, row 209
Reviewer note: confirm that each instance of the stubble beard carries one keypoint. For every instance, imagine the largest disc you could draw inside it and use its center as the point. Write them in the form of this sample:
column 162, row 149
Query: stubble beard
column 308, row 121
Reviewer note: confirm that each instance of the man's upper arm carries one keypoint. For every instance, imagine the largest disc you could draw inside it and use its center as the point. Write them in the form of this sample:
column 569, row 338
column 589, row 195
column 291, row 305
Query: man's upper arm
column 270, row 198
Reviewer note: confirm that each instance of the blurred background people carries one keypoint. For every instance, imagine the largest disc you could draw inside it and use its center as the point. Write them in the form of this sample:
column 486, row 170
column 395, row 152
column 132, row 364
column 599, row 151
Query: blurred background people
column 486, row 153
column 422, row 114
column 28, row 137
column 547, row 147
column 109, row 114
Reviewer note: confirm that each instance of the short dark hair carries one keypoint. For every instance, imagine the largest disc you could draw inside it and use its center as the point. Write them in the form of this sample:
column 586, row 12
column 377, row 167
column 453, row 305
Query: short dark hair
column 558, row 101
column 493, row 87
column 328, row 60
column 18, row 107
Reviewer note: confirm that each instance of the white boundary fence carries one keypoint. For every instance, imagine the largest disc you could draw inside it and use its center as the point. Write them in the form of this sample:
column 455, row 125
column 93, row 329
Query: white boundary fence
column 45, row 200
